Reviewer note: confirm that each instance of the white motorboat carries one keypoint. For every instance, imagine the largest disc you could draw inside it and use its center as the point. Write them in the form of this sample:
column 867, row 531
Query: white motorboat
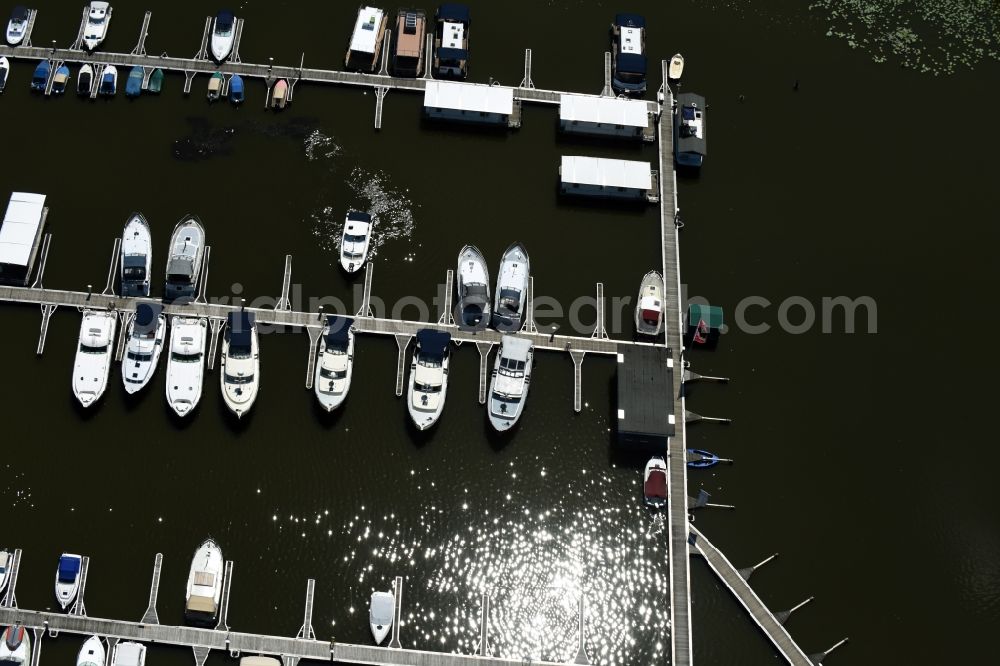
column 654, row 483
column 15, row 646
column 97, row 24
column 68, row 579
column 223, row 35
column 6, row 559
column 109, row 81
column 137, row 256
column 204, row 586
column 428, row 377
column 335, row 362
column 676, row 69
column 93, row 355
column 511, row 296
column 146, row 334
column 187, row 245
column 473, row 285
column 240, row 362
column 4, row 72
column 186, row 365
column 17, row 25
column 128, row 654
column 649, row 308
column 85, row 80
column 380, row 613
column 355, row 241
column 92, row 653
column 510, row 382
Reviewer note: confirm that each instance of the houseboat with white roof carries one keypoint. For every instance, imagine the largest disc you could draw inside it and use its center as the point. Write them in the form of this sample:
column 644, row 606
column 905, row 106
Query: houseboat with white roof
column 451, row 43
column 366, row 40
column 605, row 116
column 20, row 237
column 628, row 54
column 609, row 178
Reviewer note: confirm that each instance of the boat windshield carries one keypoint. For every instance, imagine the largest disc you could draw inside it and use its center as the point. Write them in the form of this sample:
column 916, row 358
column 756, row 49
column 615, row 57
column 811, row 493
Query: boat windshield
column 426, row 388
column 138, row 356
column 93, row 350
column 429, row 361
column 352, row 238
column 246, row 379
column 332, row 374
column 185, row 358
column 511, row 367
column 136, row 273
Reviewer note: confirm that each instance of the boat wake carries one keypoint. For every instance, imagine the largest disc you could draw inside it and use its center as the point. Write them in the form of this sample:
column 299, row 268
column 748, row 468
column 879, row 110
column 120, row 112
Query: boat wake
column 319, row 146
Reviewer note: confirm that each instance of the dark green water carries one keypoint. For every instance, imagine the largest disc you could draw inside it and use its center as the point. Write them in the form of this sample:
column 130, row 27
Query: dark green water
column 863, row 459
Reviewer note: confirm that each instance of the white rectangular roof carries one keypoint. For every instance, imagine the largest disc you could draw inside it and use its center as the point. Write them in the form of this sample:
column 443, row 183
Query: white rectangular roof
column 469, row 97
column 606, row 172
column 452, row 35
column 607, row 110
column 366, row 29
column 631, row 40
column 20, row 227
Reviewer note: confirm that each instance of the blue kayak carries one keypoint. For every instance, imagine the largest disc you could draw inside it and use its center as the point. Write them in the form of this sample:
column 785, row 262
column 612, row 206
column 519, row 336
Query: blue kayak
column 41, row 76
column 236, row 89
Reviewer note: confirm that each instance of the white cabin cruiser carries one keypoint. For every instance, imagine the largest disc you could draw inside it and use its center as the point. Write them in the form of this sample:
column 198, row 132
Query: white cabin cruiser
column 512, row 289
column 92, row 653
column 4, row 72
column 510, row 382
column 6, row 559
column 240, row 362
column 186, row 365
column 15, row 646
column 146, row 334
column 187, row 245
column 17, row 25
column 355, row 241
column 428, row 377
column 204, row 586
column 97, row 24
column 380, row 613
column 68, row 579
column 473, row 289
column 93, row 355
column 335, row 362
column 649, row 309
column 128, row 653
column 223, row 35
column 137, row 256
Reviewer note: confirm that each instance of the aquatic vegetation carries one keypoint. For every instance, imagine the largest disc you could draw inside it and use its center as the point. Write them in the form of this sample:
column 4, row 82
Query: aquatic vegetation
column 930, row 36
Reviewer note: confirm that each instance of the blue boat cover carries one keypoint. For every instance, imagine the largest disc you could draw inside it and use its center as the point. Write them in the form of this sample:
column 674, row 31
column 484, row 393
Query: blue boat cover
column 236, row 84
column 339, row 329
column 42, row 70
column 433, row 342
column 146, row 315
column 453, row 11
column 133, row 85
column 630, row 20
column 63, row 69
column 240, row 327
column 632, row 63
column 69, row 567
column 358, row 216
column 224, row 20
column 453, row 54
column 20, row 13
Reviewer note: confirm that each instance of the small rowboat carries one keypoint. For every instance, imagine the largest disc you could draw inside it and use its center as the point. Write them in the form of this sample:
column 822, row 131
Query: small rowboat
column 279, row 94
column 676, row 67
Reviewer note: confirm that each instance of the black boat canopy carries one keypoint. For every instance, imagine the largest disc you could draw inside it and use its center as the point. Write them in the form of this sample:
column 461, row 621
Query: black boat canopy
column 146, row 315
column 630, row 20
column 20, row 13
column 224, row 20
column 453, row 11
column 633, row 63
column 240, row 327
column 339, row 329
column 433, row 342
column 453, row 54
column 358, row 216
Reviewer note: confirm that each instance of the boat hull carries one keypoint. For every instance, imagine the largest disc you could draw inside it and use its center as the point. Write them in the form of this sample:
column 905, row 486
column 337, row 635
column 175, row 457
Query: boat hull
column 473, row 310
column 187, row 244
column 331, row 392
column 138, row 373
column 239, row 398
column 222, row 45
column 381, row 610
column 185, row 377
column 91, row 653
column 20, row 655
column 204, row 587
column 66, row 590
column 137, row 243
column 512, row 280
column 93, row 356
column 4, row 72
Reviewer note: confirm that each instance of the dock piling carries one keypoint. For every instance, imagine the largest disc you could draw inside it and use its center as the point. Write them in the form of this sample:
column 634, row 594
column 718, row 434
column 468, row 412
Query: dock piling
column 306, row 632
column 215, row 324
column 286, row 283
column 402, row 341
column 237, row 36
column 526, row 82
column 782, row 616
column 599, row 328
column 78, row 608
column 9, row 599
column 577, row 357
column 484, row 372
column 227, row 583
column 47, row 310
column 484, row 627
column 140, row 46
column 581, row 653
column 109, row 286
column 314, row 336
column 150, row 616
column 397, row 613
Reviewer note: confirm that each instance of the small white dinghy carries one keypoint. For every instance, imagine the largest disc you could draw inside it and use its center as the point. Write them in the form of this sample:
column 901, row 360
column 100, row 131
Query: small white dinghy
column 676, row 69
column 68, row 579
column 15, row 646
column 380, row 615
column 355, row 241
column 92, row 653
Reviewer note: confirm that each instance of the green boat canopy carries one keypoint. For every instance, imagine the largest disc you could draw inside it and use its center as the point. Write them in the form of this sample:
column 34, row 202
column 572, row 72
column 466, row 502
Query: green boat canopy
column 710, row 314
